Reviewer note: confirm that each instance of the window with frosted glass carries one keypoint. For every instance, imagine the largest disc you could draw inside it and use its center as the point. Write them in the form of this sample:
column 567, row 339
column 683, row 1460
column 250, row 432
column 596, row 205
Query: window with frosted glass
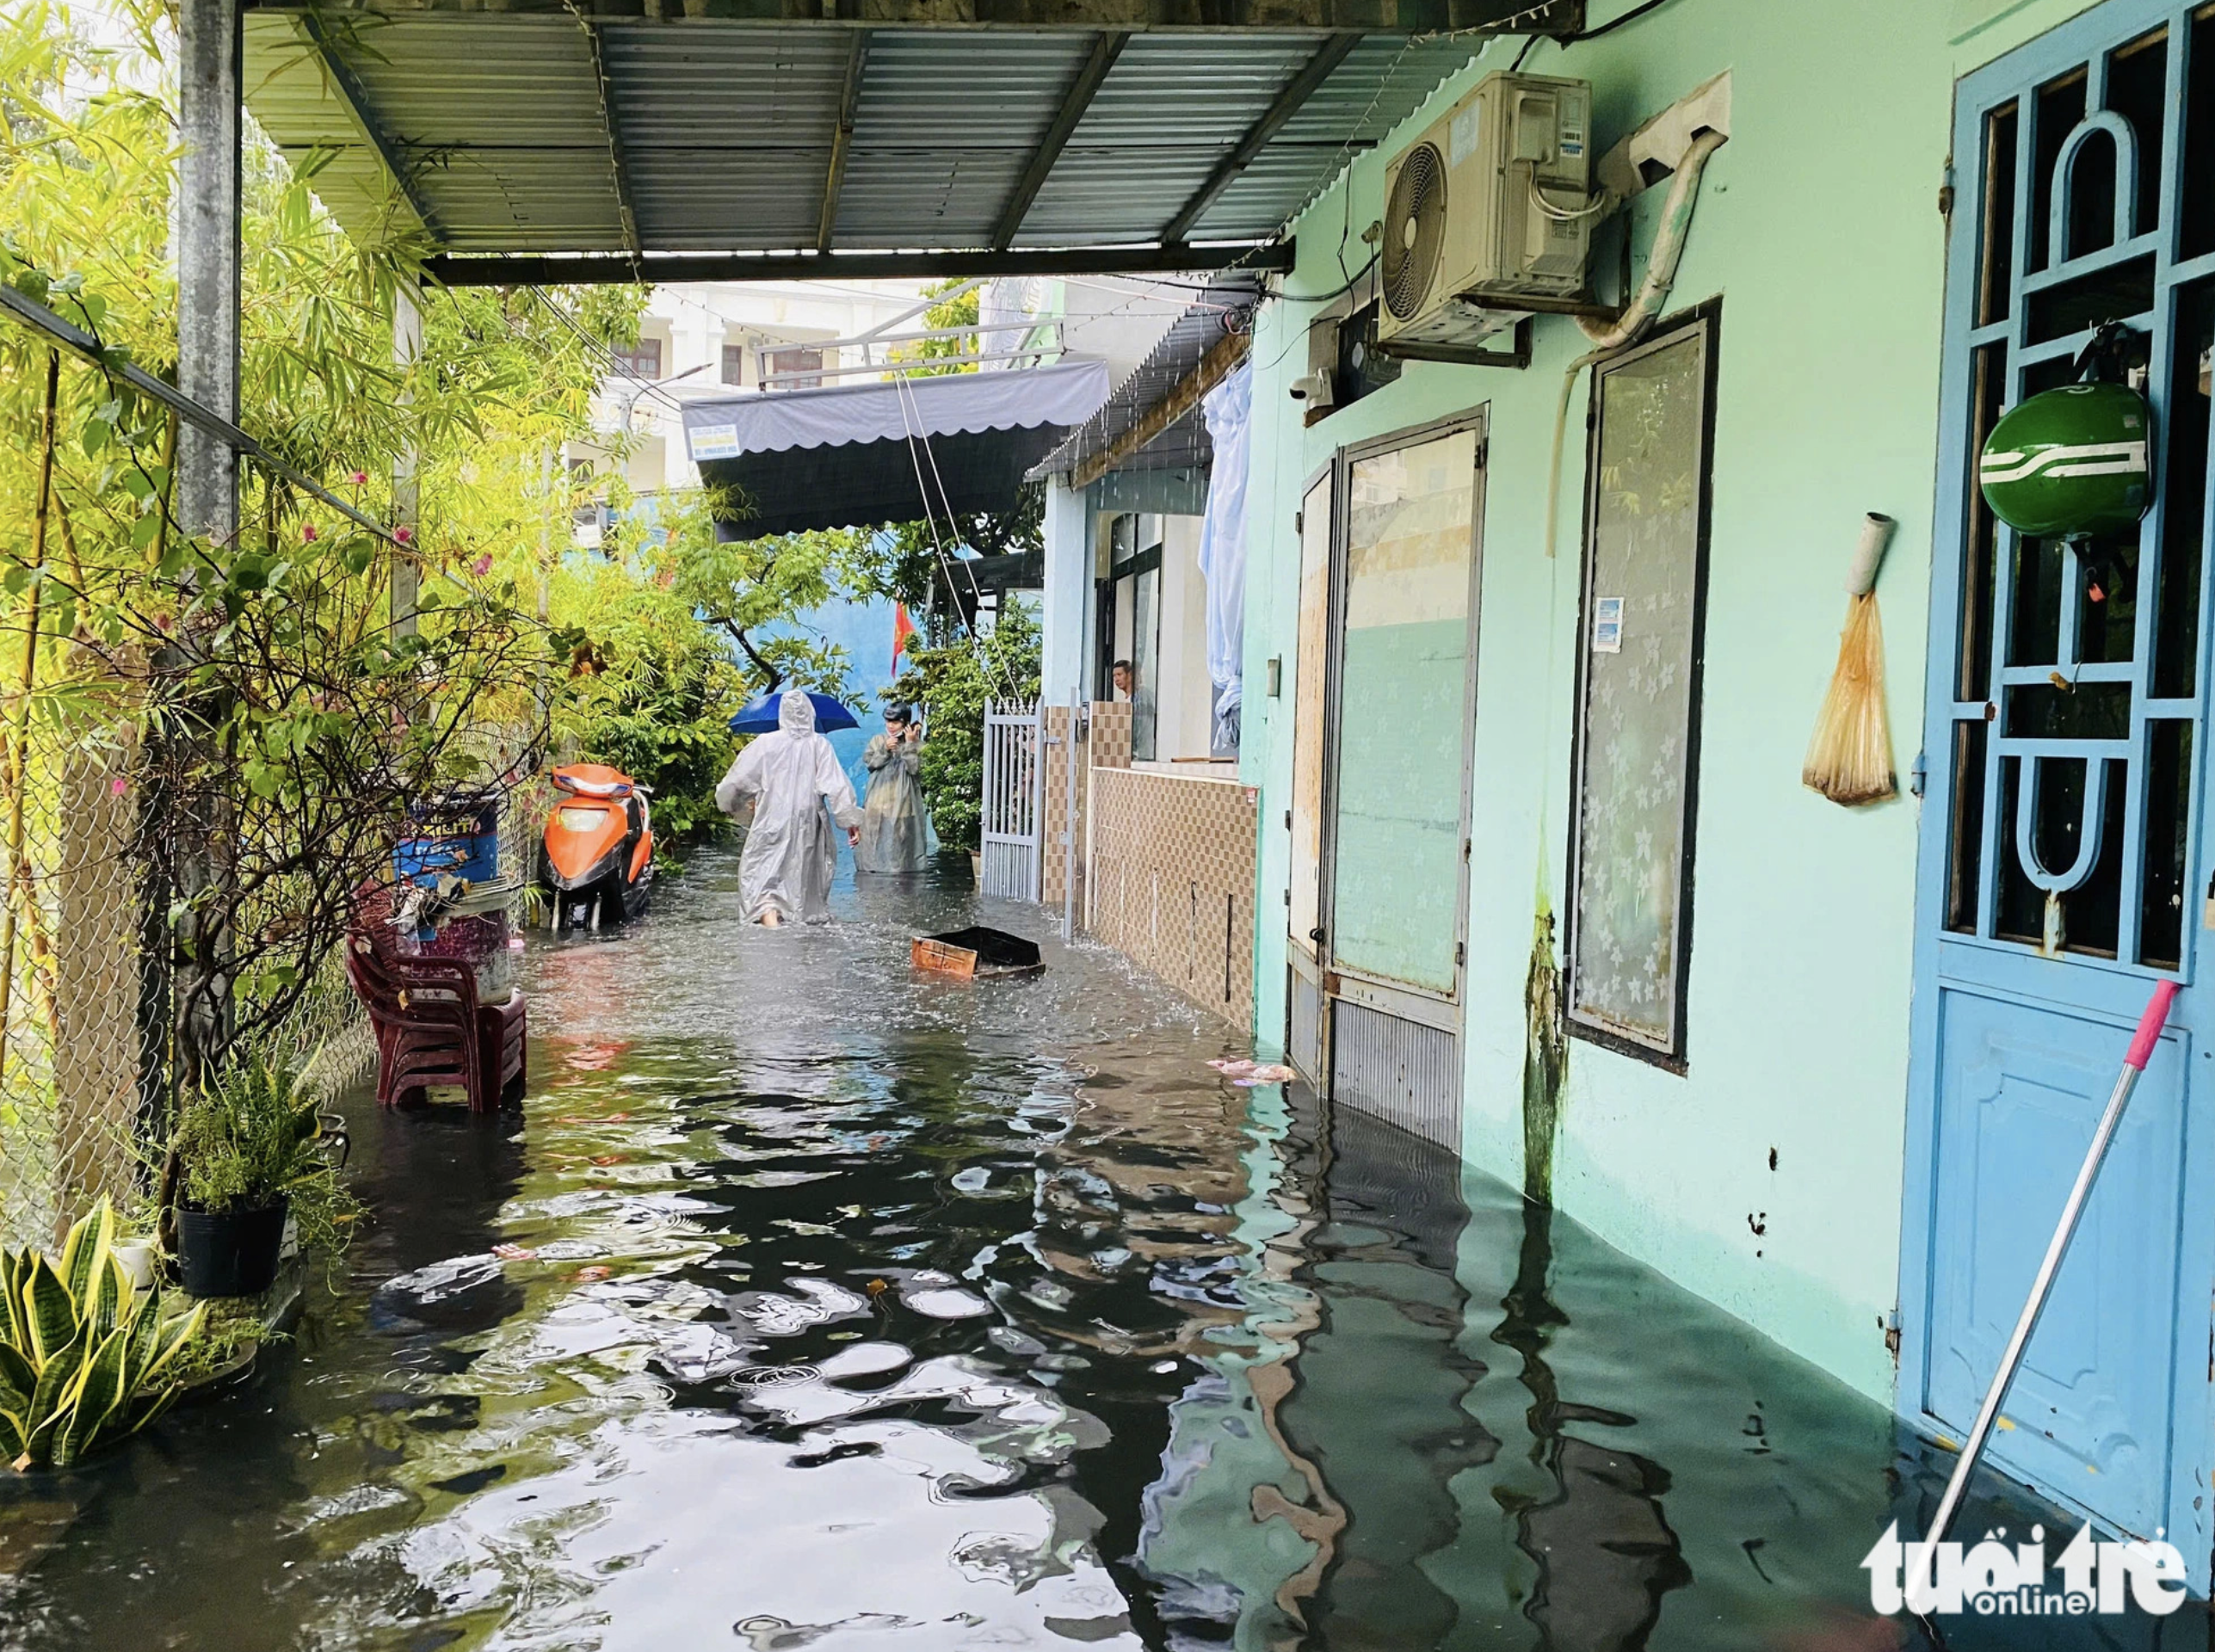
column 1639, row 693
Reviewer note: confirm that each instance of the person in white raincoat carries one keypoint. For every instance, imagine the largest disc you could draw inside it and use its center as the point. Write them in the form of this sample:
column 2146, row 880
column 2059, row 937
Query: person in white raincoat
column 790, row 856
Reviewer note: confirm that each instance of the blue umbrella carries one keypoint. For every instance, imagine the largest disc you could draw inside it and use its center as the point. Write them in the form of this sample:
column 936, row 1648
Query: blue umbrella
column 761, row 717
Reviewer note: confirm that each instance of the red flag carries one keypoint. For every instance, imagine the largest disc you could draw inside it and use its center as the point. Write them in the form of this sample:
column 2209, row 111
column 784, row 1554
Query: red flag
column 902, row 628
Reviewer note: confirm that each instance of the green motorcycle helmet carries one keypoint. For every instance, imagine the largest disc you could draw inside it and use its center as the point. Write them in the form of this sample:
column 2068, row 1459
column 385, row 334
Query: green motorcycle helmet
column 2070, row 462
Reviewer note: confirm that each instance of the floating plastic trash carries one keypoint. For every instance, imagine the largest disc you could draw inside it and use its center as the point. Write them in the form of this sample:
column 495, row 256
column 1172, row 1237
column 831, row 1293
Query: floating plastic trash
column 1248, row 1074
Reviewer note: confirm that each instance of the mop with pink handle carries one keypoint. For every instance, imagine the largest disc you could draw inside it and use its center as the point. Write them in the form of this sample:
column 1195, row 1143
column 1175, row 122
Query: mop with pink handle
column 2134, row 1063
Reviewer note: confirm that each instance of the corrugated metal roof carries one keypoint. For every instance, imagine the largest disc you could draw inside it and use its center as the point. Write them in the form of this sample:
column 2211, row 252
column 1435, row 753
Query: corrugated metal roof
column 1227, row 304
column 292, row 100
column 726, row 129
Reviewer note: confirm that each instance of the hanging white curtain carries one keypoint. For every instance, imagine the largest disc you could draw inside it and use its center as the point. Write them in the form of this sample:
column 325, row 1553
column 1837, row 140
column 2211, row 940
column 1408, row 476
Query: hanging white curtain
column 1222, row 546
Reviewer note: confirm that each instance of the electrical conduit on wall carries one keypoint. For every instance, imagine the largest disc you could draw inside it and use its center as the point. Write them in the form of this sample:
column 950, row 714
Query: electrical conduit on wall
column 1637, row 315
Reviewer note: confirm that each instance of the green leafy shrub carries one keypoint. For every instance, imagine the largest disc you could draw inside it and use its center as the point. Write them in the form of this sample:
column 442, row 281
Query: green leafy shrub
column 84, row 1363
column 952, row 685
column 252, row 1139
column 660, row 710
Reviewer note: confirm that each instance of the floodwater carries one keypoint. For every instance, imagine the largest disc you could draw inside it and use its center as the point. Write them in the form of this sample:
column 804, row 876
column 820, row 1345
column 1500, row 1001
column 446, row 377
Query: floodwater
column 845, row 1310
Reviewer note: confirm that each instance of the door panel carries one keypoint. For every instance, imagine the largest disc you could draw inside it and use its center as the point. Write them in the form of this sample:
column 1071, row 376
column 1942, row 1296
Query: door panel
column 2063, row 852
column 2022, row 1088
column 1304, row 910
column 1400, row 598
column 1309, row 1023
column 1401, row 785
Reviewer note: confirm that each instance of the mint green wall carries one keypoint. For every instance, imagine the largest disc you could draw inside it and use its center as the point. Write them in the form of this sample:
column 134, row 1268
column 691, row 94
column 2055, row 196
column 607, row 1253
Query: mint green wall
column 1818, row 228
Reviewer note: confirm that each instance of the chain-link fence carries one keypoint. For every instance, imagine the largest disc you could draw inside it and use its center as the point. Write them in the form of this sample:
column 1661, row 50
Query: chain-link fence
column 84, row 1009
column 70, row 986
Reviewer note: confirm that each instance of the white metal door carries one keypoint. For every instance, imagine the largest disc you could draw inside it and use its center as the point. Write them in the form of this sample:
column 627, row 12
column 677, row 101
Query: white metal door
column 1009, row 824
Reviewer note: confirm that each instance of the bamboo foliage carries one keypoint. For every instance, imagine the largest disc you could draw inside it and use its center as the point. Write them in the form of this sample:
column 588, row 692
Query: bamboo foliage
column 285, row 631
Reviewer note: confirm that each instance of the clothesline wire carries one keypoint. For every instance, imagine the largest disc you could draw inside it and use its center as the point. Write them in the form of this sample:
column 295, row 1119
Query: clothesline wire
column 919, row 445
column 601, row 349
column 976, row 591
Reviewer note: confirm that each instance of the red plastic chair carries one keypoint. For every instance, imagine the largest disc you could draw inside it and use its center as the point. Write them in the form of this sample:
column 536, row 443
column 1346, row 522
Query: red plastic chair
column 429, row 1027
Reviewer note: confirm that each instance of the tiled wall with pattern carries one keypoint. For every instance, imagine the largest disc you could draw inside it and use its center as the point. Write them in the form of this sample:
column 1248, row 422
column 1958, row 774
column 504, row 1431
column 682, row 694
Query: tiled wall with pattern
column 1106, row 742
column 1110, row 733
column 1171, row 879
column 1057, row 854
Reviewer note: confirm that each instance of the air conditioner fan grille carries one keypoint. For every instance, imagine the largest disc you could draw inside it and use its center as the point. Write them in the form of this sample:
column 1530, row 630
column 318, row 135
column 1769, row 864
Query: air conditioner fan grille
column 1415, row 230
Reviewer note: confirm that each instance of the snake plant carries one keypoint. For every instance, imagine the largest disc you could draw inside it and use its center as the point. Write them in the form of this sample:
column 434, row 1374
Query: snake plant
column 82, row 1359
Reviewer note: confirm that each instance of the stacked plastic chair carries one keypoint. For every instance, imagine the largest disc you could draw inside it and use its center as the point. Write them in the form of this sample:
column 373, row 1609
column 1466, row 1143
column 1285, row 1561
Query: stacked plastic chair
column 431, row 1027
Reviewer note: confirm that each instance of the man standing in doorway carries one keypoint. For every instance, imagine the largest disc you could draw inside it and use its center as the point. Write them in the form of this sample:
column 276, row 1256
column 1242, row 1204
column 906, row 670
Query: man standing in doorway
column 1126, row 680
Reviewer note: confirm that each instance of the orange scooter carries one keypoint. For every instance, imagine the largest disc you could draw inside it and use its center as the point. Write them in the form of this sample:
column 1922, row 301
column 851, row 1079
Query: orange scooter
column 600, row 846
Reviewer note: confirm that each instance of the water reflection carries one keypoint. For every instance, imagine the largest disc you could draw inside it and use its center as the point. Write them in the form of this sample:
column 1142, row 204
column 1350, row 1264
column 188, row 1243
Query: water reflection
column 1603, row 1547
column 813, row 1305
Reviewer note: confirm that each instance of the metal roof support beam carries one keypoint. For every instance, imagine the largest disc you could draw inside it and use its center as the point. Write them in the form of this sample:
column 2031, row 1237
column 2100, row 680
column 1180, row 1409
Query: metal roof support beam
column 191, row 414
column 842, row 141
column 407, row 347
column 1554, row 17
column 351, row 93
column 561, row 269
column 1288, row 102
column 616, row 169
column 1214, row 367
column 211, row 37
column 1104, row 50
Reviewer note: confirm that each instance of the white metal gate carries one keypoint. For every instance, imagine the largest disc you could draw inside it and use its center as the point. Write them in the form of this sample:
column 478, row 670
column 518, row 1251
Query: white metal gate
column 1008, row 837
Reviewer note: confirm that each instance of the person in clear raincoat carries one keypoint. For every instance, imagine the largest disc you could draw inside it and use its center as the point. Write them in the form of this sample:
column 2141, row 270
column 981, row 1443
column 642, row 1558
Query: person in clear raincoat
column 792, row 777
column 895, row 830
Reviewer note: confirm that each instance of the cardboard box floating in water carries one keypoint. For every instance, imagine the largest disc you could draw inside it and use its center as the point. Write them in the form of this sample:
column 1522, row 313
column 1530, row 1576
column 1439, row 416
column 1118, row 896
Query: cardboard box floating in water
column 975, row 954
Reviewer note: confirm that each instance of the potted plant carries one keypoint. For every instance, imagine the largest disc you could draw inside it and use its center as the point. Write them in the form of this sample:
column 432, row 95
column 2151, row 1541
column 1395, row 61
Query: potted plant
column 248, row 1153
column 84, row 1360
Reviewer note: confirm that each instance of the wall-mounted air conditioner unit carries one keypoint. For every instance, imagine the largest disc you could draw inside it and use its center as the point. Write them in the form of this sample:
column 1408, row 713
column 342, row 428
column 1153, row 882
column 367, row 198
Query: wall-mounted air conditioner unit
column 1493, row 203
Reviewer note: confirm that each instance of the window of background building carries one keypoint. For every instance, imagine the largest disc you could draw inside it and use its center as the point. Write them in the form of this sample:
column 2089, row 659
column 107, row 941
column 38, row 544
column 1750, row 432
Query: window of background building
column 734, row 364
column 1637, row 728
column 641, row 360
column 804, row 361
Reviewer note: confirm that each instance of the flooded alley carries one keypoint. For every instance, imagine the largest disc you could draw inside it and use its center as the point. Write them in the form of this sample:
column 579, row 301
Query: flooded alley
column 808, row 1303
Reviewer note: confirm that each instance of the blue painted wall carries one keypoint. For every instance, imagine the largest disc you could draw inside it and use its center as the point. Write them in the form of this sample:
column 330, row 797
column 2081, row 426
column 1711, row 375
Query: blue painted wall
column 864, row 630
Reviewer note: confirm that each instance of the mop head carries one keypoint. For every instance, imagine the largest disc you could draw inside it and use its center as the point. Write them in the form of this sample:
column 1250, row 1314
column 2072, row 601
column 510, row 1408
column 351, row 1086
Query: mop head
column 1849, row 760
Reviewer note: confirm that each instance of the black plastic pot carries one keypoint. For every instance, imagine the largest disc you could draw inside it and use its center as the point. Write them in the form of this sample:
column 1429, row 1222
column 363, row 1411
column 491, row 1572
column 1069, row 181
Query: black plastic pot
column 230, row 1252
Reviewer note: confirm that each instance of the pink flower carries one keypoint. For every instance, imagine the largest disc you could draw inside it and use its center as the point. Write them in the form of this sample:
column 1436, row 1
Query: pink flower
column 118, row 785
column 482, row 566
column 359, row 477
column 308, row 532
column 404, row 535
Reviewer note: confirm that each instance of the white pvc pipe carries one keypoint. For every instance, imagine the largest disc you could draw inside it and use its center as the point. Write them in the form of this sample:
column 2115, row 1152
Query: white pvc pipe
column 1668, row 252
column 1630, row 323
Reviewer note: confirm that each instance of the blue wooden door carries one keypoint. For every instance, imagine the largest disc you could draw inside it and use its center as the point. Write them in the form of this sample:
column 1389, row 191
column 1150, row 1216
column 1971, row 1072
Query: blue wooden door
column 2063, row 855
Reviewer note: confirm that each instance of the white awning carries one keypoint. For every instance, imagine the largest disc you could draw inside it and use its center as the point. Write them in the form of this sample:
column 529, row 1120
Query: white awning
column 941, row 405
column 858, row 455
